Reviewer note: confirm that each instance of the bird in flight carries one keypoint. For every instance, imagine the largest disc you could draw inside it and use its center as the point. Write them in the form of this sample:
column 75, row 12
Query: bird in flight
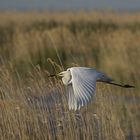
column 80, row 83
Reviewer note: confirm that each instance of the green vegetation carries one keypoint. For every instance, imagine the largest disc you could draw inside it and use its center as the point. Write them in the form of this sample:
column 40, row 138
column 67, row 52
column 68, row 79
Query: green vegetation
column 33, row 44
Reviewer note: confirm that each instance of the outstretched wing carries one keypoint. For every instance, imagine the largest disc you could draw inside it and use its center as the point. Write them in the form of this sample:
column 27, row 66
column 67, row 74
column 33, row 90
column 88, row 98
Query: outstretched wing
column 82, row 86
column 71, row 97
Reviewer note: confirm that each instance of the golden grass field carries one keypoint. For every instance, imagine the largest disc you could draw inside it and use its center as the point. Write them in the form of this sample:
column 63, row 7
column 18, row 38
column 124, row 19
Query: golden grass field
column 36, row 44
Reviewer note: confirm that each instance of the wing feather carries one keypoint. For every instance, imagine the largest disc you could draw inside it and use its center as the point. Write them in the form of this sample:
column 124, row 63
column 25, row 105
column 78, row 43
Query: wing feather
column 87, row 92
column 82, row 87
column 82, row 96
column 71, row 96
column 79, row 98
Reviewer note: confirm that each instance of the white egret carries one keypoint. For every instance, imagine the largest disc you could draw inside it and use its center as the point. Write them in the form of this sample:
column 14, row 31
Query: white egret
column 81, row 84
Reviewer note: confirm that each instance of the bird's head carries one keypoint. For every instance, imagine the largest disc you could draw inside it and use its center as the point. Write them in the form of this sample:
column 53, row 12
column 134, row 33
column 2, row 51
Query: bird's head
column 66, row 77
column 62, row 74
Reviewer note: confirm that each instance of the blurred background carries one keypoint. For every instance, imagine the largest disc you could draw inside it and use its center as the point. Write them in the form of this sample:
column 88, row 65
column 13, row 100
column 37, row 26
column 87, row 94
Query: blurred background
column 69, row 4
column 42, row 37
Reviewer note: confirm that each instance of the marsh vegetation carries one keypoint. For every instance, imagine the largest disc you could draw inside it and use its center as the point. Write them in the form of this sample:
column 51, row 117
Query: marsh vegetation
column 33, row 106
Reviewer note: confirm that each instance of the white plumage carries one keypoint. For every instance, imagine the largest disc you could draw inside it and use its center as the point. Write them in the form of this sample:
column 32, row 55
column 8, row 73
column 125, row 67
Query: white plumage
column 81, row 84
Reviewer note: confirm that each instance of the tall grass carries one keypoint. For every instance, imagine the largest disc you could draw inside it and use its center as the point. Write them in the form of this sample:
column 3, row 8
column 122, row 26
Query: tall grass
column 32, row 45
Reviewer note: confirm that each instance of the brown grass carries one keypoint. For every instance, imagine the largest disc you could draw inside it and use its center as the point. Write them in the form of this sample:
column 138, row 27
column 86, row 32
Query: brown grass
column 33, row 44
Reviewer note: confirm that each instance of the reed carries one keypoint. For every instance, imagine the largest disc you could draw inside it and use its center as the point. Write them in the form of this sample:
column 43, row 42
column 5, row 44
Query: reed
column 34, row 45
